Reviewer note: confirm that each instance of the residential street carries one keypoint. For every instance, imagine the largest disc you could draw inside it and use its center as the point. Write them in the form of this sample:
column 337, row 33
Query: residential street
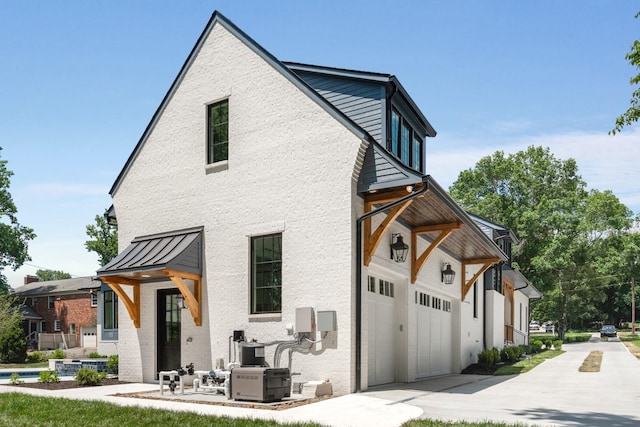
column 554, row 393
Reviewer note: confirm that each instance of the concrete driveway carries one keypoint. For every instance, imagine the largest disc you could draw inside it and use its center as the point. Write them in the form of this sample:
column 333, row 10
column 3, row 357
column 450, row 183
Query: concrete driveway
column 553, row 394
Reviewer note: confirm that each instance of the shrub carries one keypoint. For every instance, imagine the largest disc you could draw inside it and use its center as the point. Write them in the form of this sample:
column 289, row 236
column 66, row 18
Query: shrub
column 547, row 344
column 48, row 377
column 557, row 344
column 88, row 376
column 488, row 357
column 13, row 345
column 96, row 355
column 15, row 379
column 57, row 354
column 112, row 364
column 36, row 357
column 511, row 353
column 536, row 346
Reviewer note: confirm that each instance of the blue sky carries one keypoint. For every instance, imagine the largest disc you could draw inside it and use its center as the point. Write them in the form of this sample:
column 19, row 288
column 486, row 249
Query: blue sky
column 81, row 80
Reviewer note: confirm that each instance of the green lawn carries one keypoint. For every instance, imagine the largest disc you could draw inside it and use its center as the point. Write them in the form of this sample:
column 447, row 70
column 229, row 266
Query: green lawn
column 24, row 365
column 528, row 364
column 23, row 410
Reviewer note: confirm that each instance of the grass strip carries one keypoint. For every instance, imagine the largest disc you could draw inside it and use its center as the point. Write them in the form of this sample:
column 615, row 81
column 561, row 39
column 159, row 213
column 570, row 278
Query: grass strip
column 592, row 362
column 528, row 364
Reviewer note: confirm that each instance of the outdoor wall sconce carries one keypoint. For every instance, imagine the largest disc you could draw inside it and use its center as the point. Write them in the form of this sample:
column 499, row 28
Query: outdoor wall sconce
column 448, row 275
column 399, row 248
column 181, row 302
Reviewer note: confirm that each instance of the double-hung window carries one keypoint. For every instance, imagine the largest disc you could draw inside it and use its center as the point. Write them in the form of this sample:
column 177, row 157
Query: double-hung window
column 218, row 132
column 266, row 274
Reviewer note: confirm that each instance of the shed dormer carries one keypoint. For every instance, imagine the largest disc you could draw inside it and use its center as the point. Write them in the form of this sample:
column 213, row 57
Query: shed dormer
column 378, row 104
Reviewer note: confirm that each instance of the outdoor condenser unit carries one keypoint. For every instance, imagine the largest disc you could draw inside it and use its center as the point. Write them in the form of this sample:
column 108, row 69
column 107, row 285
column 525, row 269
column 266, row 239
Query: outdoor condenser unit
column 260, row 384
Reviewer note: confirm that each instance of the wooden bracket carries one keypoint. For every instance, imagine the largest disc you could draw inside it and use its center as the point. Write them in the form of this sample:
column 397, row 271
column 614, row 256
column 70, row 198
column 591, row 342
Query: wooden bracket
column 371, row 241
column 133, row 306
column 193, row 300
column 418, row 262
column 466, row 285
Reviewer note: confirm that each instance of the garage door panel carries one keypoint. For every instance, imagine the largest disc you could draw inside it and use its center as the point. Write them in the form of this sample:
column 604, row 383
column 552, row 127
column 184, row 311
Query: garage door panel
column 434, row 339
column 381, row 332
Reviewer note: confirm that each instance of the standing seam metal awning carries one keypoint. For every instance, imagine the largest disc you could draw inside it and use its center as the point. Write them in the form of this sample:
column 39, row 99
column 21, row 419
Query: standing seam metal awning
column 175, row 256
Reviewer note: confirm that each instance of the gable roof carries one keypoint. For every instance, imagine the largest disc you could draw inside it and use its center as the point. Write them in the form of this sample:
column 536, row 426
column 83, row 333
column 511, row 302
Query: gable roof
column 58, row 287
column 218, row 19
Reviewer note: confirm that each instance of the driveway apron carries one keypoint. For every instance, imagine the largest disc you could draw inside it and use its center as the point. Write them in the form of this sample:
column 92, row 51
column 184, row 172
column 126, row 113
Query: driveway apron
column 553, row 394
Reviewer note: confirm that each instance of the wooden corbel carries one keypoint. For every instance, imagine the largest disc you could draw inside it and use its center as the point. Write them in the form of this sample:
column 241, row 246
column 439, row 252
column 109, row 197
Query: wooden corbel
column 371, row 241
column 466, row 285
column 418, row 262
column 132, row 306
column 193, row 300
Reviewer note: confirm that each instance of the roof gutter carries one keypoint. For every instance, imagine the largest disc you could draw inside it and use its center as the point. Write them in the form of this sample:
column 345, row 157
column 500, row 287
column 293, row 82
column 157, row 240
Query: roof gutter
column 383, row 208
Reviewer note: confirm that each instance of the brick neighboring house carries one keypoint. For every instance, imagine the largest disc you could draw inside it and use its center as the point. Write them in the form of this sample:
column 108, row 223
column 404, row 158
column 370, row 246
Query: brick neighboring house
column 67, row 306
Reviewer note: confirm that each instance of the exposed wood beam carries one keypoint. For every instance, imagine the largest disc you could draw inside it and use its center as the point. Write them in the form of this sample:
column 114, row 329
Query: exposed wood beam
column 380, row 198
column 466, row 285
column 418, row 262
column 132, row 306
column 194, row 300
column 372, row 240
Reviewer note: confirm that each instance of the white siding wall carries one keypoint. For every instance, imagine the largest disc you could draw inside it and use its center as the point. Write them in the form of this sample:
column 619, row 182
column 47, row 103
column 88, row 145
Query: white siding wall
column 290, row 170
column 495, row 319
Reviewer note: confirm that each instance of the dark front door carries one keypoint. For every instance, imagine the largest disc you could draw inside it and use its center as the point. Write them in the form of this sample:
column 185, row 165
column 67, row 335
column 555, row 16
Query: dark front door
column 168, row 330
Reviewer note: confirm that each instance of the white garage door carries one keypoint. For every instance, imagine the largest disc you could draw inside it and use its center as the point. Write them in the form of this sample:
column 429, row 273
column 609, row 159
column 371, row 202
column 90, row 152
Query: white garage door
column 381, row 331
column 434, row 341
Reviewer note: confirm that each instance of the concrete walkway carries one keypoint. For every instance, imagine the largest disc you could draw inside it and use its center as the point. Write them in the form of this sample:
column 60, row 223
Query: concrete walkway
column 553, row 394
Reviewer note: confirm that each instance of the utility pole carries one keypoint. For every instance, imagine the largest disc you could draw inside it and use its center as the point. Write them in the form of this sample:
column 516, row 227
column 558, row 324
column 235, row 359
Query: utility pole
column 633, row 305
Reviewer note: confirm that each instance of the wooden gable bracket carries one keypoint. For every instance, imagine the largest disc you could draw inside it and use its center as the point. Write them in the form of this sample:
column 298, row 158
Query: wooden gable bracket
column 371, row 241
column 133, row 307
column 466, row 285
column 418, row 262
column 193, row 300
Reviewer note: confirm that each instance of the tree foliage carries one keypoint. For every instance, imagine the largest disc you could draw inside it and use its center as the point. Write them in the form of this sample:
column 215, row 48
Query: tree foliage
column 14, row 238
column 633, row 112
column 46, row 275
column 13, row 344
column 567, row 233
column 104, row 239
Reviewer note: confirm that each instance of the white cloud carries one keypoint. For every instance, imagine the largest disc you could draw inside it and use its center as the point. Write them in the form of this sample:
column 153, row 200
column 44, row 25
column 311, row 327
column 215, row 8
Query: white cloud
column 605, row 162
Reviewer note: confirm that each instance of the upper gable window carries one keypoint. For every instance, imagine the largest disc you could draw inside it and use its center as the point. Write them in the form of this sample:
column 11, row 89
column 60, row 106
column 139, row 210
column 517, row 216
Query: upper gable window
column 218, row 132
column 405, row 143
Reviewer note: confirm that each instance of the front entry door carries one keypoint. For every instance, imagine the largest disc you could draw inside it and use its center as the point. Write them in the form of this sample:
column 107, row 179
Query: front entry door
column 169, row 308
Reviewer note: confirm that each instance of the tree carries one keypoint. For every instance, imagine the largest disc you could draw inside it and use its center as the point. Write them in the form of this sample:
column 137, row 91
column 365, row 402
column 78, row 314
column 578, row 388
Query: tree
column 104, row 240
column 633, row 113
column 566, row 232
column 13, row 344
column 14, row 238
column 46, row 275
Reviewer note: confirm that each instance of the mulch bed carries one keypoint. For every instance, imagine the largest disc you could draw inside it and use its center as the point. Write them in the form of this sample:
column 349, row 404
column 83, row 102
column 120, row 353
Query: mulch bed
column 63, row 385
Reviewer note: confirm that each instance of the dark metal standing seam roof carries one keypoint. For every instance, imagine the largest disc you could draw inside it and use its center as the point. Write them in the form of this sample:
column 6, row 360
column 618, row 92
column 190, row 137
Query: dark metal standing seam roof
column 177, row 250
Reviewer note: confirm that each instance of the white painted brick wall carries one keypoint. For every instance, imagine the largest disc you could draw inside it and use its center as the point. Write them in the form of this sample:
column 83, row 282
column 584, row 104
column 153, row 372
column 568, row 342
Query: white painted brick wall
column 290, row 169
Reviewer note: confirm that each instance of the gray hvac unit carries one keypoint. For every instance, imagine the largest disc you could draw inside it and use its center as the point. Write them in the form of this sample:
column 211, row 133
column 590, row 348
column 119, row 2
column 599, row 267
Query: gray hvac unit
column 252, row 354
column 260, row 384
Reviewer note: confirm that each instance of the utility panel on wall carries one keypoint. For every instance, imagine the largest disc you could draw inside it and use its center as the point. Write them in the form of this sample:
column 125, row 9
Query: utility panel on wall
column 326, row 321
column 305, row 320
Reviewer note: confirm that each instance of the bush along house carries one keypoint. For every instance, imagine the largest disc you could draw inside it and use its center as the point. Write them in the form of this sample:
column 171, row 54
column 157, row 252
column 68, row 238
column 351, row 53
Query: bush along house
column 288, row 206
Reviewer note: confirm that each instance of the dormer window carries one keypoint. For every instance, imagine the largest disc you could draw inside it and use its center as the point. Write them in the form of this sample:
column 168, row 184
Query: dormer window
column 405, row 142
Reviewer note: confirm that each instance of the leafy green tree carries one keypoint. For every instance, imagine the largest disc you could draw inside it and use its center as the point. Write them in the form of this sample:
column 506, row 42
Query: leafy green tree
column 14, row 238
column 104, row 239
column 13, row 344
column 46, row 275
column 566, row 232
column 633, row 112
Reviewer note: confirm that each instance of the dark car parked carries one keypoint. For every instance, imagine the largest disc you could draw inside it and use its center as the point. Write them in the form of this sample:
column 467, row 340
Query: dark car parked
column 608, row 331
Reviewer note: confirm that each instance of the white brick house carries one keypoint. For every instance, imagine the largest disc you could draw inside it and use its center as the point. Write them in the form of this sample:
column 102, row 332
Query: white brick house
column 260, row 187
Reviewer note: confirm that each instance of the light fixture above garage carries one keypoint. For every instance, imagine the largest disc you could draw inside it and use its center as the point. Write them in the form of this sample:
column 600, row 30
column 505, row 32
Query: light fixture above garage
column 399, row 248
column 448, row 275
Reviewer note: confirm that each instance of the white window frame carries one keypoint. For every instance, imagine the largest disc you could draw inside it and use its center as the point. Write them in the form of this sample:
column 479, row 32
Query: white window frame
column 56, row 326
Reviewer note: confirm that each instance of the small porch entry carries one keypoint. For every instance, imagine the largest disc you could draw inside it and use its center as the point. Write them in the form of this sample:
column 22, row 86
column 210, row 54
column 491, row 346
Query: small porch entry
column 169, row 326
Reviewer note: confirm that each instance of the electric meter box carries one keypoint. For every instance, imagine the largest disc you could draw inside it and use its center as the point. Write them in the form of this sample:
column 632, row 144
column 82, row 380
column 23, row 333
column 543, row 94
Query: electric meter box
column 326, row 321
column 305, row 320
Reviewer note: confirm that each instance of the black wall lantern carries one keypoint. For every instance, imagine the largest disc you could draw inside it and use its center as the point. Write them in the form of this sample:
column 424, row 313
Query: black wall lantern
column 448, row 275
column 399, row 248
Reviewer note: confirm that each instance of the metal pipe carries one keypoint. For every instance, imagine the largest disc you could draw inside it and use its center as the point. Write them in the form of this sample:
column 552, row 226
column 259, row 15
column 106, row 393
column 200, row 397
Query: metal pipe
column 390, row 205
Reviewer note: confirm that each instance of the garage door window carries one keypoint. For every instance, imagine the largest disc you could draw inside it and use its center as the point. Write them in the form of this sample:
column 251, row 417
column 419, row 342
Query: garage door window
column 384, row 287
